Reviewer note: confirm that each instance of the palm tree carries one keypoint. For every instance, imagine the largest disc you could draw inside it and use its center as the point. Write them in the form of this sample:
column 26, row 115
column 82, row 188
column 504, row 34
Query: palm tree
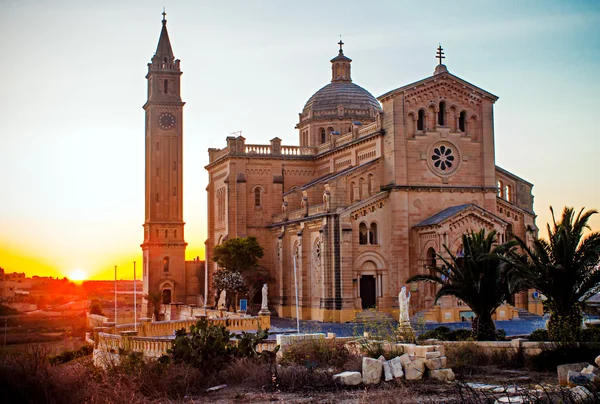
column 155, row 299
column 564, row 269
column 478, row 279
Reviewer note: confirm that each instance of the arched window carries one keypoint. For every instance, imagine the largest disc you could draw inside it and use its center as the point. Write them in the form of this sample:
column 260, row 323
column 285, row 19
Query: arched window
column 174, row 191
column 361, row 191
column 329, row 131
column 507, row 195
column 175, row 233
column 462, row 121
column 166, row 264
column 362, row 234
column 257, row 197
column 322, row 135
column 157, row 146
column 352, row 185
column 166, row 233
column 166, row 86
column 430, row 259
column 500, row 189
column 370, row 187
column 421, row 120
column 373, row 233
column 442, row 114
column 174, row 166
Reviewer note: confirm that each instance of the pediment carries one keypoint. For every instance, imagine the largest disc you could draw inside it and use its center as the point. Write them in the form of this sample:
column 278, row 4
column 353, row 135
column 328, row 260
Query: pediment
column 463, row 217
column 453, row 86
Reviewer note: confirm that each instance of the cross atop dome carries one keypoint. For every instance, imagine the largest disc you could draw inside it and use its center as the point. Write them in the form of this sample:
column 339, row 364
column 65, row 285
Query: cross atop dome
column 340, row 66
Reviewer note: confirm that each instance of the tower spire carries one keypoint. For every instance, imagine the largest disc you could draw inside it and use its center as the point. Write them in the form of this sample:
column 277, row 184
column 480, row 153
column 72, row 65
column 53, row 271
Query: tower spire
column 164, row 44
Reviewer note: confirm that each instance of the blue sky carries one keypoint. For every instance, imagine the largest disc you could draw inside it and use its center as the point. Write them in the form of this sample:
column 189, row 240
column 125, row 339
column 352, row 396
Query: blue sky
column 72, row 124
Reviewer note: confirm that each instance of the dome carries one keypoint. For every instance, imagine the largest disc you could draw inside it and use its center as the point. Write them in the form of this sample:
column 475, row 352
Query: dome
column 341, row 93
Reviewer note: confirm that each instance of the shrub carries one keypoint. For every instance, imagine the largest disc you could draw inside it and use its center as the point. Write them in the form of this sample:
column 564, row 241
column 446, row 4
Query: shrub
column 540, row 334
column 317, row 352
column 96, row 308
column 560, row 353
column 7, row 311
column 469, row 358
column 67, row 356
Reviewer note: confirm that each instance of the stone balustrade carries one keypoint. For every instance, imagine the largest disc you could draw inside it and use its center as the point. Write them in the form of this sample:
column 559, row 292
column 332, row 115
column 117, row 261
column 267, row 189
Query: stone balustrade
column 238, row 147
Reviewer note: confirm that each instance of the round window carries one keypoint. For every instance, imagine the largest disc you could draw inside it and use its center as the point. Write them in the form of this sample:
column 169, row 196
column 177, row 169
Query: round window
column 443, row 158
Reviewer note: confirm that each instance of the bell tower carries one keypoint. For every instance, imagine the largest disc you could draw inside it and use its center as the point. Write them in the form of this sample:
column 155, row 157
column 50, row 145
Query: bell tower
column 164, row 244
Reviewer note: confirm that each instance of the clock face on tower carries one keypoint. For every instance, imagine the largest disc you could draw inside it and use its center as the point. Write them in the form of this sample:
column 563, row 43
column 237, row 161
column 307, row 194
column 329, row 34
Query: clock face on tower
column 166, row 121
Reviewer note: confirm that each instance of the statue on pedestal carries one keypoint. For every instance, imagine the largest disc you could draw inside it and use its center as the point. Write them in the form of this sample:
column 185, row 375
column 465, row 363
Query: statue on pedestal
column 403, row 301
column 264, row 308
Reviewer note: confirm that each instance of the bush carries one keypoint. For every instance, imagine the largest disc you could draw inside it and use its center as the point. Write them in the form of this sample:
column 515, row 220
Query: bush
column 7, row 311
column 469, row 358
column 96, row 308
column 67, row 356
column 314, row 353
column 540, row 334
column 560, row 353
column 462, row 334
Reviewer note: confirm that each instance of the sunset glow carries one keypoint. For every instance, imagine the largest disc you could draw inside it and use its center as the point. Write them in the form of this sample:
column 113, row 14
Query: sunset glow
column 77, row 275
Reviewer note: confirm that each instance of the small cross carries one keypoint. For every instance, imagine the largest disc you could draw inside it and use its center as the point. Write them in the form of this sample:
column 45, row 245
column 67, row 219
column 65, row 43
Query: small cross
column 341, row 44
column 164, row 14
column 440, row 53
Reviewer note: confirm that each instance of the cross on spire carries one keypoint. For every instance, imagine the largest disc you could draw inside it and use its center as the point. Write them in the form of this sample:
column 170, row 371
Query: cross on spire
column 341, row 44
column 440, row 53
column 164, row 14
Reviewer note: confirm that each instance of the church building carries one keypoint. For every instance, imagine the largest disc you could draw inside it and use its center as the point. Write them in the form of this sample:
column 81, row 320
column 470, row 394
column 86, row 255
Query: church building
column 372, row 192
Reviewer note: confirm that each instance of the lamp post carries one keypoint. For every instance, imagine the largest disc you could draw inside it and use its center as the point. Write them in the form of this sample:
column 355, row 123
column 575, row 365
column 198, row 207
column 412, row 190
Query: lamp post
column 134, row 299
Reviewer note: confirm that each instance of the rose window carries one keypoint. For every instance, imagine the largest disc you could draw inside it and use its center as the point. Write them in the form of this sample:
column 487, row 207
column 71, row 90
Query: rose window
column 443, row 157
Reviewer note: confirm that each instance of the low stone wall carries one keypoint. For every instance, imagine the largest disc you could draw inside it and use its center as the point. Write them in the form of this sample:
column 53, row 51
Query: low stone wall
column 95, row 320
column 529, row 348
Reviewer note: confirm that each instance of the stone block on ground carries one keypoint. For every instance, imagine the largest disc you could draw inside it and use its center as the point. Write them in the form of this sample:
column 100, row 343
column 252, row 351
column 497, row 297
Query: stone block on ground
column 578, row 379
column 563, row 371
column 405, row 360
column 348, row 378
column 387, row 371
column 421, row 350
column 431, row 355
column 415, row 369
column 396, row 367
column 597, row 361
column 591, row 369
column 581, row 395
column 371, row 371
column 442, row 374
column 408, row 348
column 436, row 363
column 441, row 349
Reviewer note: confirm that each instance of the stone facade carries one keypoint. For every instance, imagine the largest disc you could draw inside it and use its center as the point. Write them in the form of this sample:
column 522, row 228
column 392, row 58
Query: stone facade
column 369, row 197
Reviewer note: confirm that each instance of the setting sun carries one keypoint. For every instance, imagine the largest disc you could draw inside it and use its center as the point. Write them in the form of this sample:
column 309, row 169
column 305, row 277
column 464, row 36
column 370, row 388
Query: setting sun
column 77, row 275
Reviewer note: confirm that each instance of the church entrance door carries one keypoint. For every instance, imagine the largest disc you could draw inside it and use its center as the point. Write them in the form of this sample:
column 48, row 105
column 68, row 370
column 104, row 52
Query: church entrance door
column 367, row 291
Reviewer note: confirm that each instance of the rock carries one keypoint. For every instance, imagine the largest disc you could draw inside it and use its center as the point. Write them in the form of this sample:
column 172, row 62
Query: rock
column 436, row 363
column 371, row 371
column 563, row 370
column 441, row 349
column 405, row 360
column 597, row 361
column 591, row 369
column 442, row 374
column 387, row 371
column 408, row 348
column 431, row 355
column 415, row 369
column 578, row 378
column 348, row 378
column 421, row 350
column 512, row 399
column 580, row 394
column 396, row 368
column 216, row 388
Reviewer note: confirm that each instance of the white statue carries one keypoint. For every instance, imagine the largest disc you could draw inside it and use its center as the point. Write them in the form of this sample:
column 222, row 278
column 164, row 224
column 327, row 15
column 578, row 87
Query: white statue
column 404, row 300
column 265, row 292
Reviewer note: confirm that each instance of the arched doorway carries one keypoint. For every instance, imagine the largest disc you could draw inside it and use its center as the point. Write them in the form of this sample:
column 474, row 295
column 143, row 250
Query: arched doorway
column 368, row 292
column 166, row 296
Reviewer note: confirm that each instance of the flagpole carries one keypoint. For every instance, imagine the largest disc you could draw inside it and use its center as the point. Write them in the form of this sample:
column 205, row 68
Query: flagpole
column 115, row 295
column 134, row 299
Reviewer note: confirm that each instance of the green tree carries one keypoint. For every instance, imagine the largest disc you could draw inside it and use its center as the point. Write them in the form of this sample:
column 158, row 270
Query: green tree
column 564, row 268
column 155, row 299
column 238, row 254
column 478, row 279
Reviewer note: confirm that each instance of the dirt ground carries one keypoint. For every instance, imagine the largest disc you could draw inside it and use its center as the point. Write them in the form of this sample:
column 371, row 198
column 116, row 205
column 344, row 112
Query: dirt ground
column 424, row 391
